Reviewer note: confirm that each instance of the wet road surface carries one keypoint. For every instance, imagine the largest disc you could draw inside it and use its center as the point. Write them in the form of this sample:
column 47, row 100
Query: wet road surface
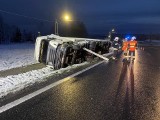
column 110, row 91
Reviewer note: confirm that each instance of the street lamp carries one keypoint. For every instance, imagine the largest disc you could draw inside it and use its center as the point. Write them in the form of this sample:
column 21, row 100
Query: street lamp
column 66, row 17
column 56, row 27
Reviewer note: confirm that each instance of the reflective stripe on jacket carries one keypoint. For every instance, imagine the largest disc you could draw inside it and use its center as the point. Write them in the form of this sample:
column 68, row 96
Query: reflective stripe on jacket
column 132, row 45
column 125, row 45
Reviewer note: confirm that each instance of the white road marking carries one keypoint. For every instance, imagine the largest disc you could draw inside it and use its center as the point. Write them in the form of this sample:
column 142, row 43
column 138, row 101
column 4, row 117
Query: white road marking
column 31, row 95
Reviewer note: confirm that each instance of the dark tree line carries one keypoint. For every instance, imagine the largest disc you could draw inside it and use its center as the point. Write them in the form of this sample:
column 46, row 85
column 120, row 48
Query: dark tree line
column 10, row 34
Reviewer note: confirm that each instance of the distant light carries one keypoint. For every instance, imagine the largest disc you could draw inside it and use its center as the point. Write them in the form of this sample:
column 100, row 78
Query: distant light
column 67, row 17
column 128, row 37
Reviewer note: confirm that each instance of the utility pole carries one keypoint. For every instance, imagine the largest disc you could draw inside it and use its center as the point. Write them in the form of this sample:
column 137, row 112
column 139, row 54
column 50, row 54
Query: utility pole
column 56, row 27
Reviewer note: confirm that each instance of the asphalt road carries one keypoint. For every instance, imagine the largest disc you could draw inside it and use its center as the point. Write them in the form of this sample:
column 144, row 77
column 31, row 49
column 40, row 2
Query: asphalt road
column 110, row 91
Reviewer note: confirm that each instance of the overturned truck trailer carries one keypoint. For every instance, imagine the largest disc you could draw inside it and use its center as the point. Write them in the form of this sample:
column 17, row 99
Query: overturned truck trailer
column 61, row 52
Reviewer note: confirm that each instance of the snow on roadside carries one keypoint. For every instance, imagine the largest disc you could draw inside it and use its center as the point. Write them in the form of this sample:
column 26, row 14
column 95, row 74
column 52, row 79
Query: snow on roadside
column 13, row 83
column 16, row 55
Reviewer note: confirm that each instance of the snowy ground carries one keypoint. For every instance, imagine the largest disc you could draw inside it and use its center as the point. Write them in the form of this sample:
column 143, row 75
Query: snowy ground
column 16, row 55
column 13, row 83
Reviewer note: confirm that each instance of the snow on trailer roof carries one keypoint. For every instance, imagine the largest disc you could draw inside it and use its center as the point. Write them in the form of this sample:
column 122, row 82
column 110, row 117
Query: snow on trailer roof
column 53, row 36
column 88, row 39
column 85, row 39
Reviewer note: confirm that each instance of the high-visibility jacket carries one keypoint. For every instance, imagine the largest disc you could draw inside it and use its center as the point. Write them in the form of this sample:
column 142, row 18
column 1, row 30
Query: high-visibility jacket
column 125, row 45
column 132, row 45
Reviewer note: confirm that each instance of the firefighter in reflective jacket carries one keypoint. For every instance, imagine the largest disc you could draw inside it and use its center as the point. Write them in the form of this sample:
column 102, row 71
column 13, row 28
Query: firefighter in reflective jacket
column 132, row 46
column 125, row 46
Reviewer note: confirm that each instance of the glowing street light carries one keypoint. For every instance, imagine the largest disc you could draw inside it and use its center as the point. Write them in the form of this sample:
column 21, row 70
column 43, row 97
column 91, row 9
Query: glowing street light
column 66, row 17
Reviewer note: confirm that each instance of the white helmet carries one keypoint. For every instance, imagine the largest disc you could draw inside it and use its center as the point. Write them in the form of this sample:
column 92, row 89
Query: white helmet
column 116, row 38
column 125, row 39
column 133, row 38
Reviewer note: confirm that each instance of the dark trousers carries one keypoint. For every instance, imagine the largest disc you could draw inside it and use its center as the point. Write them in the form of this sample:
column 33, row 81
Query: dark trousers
column 115, row 53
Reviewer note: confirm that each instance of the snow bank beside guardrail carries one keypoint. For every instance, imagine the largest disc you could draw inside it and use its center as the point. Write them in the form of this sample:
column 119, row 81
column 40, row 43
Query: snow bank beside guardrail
column 13, row 83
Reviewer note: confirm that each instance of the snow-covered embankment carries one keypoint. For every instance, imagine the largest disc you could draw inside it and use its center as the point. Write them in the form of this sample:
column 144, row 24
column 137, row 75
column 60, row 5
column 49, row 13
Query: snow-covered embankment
column 16, row 55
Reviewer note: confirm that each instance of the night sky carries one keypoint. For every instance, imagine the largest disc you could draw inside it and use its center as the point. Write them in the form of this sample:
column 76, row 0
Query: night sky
column 99, row 16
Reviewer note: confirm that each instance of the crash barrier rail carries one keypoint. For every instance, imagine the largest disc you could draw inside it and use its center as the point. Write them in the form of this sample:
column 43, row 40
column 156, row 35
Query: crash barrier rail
column 96, row 54
column 62, row 52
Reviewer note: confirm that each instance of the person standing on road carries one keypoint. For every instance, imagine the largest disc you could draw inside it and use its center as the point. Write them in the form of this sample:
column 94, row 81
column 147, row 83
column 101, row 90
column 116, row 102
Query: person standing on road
column 115, row 46
column 125, row 47
column 132, row 47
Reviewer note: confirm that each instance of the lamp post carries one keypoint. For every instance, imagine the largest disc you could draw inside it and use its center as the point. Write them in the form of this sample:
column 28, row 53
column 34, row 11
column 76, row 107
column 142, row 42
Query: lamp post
column 66, row 17
column 56, row 27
